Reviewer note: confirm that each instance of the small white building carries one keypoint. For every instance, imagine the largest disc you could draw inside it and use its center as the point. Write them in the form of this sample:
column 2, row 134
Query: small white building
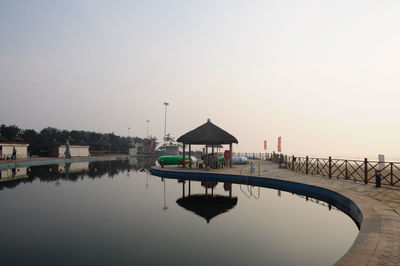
column 75, row 150
column 133, row 151
column 6, row 149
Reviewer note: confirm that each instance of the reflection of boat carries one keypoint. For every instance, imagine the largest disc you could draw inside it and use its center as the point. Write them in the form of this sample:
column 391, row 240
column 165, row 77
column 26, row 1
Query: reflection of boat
column 206, row 206
column 171, row 160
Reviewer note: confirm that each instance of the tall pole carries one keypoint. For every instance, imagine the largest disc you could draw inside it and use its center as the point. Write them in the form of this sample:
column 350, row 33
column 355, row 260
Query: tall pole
column 128, row 132
column 165, row 123
column 147, row 128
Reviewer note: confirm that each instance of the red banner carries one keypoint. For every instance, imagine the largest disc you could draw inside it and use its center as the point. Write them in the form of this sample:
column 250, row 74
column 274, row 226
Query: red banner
column 265, row 145
column 279, row 144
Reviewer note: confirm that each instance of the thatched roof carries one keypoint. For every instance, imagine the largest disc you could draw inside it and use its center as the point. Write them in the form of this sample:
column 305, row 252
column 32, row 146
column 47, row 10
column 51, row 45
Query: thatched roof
column 207, row 133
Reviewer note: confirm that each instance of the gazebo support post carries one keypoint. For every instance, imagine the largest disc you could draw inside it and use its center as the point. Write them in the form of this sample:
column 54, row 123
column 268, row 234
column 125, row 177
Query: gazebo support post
column 190, row 154
column 230, row 155
column 206, row 159
column 183, row 157
column 212, row 152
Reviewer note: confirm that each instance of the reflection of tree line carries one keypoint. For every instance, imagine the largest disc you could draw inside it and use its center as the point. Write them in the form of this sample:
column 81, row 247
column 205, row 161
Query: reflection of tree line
column 51, row 173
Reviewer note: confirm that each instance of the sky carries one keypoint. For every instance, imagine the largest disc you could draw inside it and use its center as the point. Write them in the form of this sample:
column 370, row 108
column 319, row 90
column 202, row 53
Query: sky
column 323, row 75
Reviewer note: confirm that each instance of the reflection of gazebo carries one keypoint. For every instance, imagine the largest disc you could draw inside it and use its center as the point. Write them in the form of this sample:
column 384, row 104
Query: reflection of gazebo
column 206, row 206
column 210, row 135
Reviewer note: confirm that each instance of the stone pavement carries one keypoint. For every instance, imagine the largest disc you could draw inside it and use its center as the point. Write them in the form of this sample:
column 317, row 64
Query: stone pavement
column 378, row 242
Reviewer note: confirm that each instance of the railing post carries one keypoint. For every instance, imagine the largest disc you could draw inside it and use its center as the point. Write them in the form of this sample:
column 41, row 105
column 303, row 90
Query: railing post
column 391, row 174
column 345, row 163
column 306, row 165
column 377, row 178
column 292, row 162
column 330, row 167
column 366, row 171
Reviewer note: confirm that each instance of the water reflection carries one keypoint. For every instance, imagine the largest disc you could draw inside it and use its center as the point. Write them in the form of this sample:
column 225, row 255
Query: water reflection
column 12, row 177
column 205, row 205
column 13, row 174
column 117, row 221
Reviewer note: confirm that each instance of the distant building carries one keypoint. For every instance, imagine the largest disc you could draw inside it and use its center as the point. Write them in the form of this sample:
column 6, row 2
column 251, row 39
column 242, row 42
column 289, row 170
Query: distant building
column 58, row 150
column 7, row 146
column 100, row 147
column 75, row 150
column 172, row 149
column 133, row 151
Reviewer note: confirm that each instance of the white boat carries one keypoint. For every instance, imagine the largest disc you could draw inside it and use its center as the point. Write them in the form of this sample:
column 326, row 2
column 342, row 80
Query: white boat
column 239, row 160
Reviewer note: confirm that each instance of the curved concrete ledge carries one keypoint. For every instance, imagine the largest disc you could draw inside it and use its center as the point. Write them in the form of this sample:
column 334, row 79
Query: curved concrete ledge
column 375, row 211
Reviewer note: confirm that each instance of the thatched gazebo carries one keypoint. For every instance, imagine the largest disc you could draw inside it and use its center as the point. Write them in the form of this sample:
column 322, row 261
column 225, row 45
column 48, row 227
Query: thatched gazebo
column 210, row 135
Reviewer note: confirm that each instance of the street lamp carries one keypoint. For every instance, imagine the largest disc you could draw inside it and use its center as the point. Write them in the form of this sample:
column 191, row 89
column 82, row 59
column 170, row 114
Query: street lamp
column 128, row 132
column 147, row 127
column 165, row 124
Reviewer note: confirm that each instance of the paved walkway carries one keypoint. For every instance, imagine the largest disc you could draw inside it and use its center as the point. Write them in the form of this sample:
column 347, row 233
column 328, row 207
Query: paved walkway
column 378, row 242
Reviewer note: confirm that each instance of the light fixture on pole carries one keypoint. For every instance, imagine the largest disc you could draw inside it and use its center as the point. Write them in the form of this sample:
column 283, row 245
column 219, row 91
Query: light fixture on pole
column 147, row 128
column 165, row 124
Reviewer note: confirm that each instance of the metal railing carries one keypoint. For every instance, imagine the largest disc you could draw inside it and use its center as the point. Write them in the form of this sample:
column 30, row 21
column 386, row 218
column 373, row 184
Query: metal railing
column 364, row 171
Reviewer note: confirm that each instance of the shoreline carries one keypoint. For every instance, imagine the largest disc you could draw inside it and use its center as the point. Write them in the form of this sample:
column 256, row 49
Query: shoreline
column 36, row 161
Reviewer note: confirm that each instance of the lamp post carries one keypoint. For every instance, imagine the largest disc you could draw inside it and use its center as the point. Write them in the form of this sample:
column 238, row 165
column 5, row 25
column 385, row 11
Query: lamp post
column 129, row 132
column 165, row 124
column 147, row 128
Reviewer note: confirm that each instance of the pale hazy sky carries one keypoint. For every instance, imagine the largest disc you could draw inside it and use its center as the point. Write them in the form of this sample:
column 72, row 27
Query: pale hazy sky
column 324, row 75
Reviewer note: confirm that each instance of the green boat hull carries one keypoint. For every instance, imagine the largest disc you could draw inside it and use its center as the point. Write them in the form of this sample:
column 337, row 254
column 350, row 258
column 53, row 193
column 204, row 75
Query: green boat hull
column 171, row 160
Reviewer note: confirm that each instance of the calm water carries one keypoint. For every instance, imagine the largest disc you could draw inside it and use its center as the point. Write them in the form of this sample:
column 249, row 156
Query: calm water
column 108, row 215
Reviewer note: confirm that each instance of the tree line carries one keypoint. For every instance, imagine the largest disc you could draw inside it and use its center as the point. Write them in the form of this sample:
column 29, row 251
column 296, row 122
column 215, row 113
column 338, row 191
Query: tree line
column 40, row 141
